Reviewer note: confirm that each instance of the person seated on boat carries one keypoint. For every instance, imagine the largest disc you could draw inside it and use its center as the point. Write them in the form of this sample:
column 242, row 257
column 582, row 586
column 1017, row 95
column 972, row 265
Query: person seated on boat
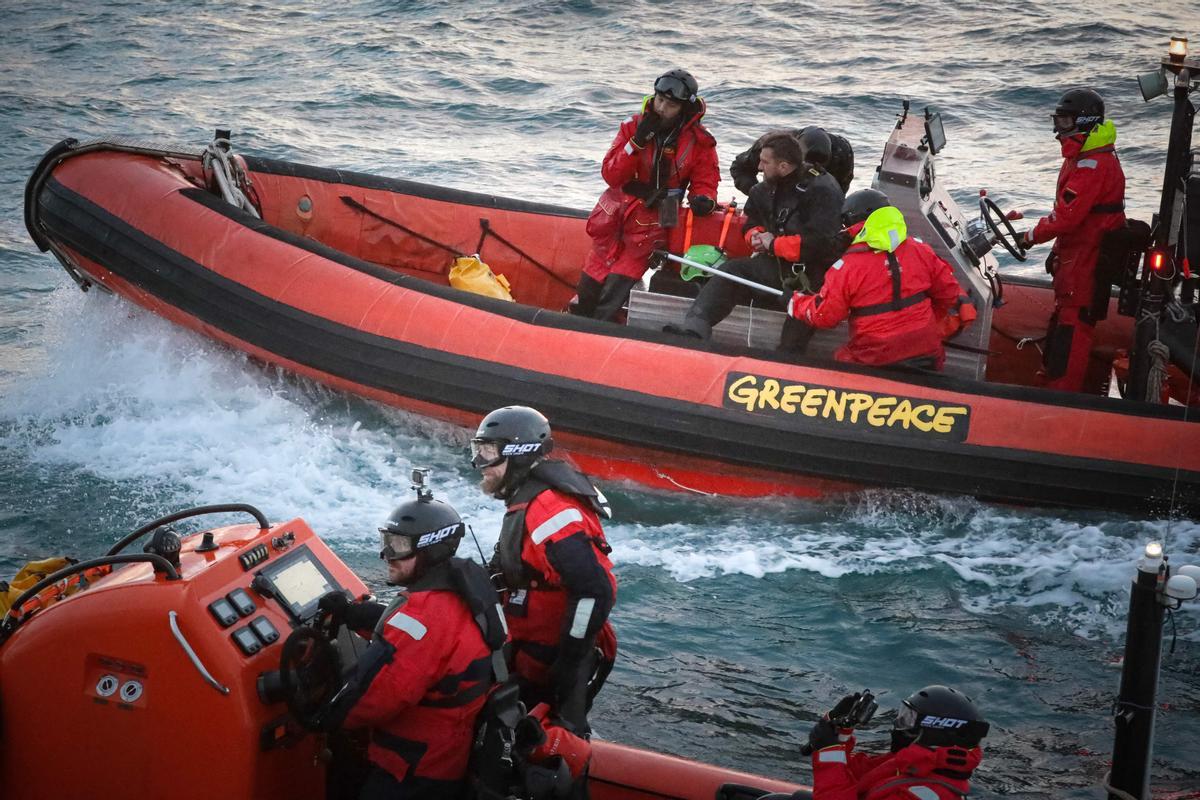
column 893, row 288
column 1089, row 202
column 934, row 751
column 555, row 564
column 838, row 161
column 792, row 224
column 660, row 153
column 423, row 680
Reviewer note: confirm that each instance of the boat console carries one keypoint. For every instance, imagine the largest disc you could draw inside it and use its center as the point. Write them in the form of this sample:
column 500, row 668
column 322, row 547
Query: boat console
column 150, row 677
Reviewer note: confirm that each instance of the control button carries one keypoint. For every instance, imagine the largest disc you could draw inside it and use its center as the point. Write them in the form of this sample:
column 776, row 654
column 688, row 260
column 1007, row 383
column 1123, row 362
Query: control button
column 246, row 641
column 264, row 629
column 242, row 601
column 223, row 611
column 253, row 557
column 131, row 691
column 107, row 685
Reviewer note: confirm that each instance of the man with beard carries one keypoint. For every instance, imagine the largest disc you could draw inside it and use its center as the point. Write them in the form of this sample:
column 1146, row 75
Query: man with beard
column 659, row 154
column 559, row 586
column 793, row 224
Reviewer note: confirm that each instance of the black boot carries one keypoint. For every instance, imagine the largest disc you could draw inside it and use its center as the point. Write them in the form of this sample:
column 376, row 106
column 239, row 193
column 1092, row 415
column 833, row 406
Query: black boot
column 614, row 294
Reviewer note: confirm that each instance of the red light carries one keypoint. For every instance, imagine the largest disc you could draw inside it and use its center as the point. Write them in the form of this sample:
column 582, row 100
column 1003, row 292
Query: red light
column 1156, row 260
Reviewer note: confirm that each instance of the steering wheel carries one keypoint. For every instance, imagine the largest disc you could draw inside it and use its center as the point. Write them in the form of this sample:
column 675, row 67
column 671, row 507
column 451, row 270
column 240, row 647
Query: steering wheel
column 1011, row 241
column 309, row 674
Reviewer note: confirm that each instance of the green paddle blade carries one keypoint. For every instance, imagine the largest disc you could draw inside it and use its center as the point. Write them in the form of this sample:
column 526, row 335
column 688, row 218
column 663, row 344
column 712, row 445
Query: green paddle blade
column 705, row 254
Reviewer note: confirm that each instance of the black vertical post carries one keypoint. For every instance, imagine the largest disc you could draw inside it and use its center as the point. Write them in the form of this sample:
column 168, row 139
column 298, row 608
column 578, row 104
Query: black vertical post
column 1169, row 221
column 1133, row 743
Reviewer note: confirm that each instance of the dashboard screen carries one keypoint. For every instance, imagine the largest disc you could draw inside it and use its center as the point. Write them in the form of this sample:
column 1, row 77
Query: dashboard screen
column 300, row 580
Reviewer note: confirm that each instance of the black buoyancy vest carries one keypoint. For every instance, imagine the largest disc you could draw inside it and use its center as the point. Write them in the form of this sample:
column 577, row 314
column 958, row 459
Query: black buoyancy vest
column 544, row 475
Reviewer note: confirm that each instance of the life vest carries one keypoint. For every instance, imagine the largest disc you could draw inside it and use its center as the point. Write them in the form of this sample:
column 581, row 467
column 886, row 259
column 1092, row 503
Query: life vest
column 428, row 741
column 29, row 575
column 544, row 475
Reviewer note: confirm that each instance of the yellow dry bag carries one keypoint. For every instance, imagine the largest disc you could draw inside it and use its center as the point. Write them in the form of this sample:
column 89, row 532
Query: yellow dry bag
column 472, row 275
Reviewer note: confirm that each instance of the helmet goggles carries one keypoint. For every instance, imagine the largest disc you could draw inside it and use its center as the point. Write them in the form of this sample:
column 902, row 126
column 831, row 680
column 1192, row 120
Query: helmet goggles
column 906, row 718
column 485, row 453
column 396, row 547
column 673, row 88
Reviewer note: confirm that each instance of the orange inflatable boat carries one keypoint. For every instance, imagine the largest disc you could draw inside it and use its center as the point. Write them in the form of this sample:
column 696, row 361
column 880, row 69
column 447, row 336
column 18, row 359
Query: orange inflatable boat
column 346, row 278
column 150, row 679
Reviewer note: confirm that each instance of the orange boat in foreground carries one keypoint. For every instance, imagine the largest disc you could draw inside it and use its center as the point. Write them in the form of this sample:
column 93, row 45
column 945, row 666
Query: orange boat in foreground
column 345, row 278
column 158, row 664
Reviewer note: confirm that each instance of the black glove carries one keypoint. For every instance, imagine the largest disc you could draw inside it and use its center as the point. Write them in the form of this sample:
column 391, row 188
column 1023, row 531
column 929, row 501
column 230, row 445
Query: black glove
column 822, row 735
column 363, row 615
column 844, row 705
column 647, row 127
column 702, row 205
column 334, row 604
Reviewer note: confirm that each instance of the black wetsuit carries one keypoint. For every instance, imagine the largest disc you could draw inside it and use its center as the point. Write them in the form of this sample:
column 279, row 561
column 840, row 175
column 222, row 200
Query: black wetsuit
column 744, row 169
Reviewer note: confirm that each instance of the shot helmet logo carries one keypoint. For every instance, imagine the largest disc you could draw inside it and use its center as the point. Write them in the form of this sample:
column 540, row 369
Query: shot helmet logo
column 520, row 449
column 942, row 722
column 433, row 537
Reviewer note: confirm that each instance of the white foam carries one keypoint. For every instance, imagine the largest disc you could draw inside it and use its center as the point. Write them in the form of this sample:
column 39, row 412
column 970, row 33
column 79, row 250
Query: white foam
column 130, row 397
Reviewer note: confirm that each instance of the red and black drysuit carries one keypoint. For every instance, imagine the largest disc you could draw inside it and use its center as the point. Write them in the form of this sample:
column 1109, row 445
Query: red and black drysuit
column 803, row 211
column 625, row 226
column 895, row 303
column 914, row 772
column 1090, row 202
column 435, row 653
column 560, row 590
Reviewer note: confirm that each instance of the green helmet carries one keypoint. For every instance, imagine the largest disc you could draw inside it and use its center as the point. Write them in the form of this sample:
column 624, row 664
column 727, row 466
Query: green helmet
column 706, row 254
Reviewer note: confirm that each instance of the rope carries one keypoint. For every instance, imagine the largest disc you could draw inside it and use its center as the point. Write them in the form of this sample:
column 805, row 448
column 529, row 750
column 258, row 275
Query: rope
column 667, row 477
column 1112, row 790
column 231, row 179
column 1157, row 376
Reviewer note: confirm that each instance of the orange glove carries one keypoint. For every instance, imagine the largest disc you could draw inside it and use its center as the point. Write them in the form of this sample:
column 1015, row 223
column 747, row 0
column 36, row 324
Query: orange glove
column 576, row 752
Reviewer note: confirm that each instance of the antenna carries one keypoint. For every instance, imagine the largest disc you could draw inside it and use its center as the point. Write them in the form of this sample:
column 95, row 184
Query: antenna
column 482, row 558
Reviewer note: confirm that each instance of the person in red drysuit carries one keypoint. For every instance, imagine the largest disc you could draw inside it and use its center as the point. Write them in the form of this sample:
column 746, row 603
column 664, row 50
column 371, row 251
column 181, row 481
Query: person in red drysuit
column 1089, row 202
column 659, row 154
column 935, row 750
column 894, row 289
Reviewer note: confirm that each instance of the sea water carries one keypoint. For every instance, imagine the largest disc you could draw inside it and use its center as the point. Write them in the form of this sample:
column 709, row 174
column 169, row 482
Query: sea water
column 740, row 620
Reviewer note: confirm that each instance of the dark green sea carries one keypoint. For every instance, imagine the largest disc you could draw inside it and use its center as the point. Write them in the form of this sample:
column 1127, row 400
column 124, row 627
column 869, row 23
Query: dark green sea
column 740, row 620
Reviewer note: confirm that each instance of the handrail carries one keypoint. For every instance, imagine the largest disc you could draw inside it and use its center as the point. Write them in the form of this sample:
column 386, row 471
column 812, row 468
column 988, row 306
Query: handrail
column 190, row 512
column 11, row 621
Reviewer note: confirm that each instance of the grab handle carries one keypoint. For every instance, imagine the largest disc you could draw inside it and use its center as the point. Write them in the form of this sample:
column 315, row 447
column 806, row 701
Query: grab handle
column 191, row 654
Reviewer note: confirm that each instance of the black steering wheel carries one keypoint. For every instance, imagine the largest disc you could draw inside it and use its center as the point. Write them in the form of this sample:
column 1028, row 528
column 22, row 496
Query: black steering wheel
column 1008, row 237
column 309, row 674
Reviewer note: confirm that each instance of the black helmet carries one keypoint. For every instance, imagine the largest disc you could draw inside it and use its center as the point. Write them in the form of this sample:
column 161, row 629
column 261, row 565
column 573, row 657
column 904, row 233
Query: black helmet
column 815, row 145
column 678, row 84
column 861, row 204
column 938, row 716
column 1078, row 111
column 426, row 528
column 519, row 435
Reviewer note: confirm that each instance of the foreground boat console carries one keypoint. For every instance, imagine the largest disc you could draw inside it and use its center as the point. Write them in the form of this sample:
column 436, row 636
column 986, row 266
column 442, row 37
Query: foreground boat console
column 158, row 675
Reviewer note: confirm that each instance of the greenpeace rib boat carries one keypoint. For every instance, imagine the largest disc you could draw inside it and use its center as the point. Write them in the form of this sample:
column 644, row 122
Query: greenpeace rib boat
column 348, row 279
